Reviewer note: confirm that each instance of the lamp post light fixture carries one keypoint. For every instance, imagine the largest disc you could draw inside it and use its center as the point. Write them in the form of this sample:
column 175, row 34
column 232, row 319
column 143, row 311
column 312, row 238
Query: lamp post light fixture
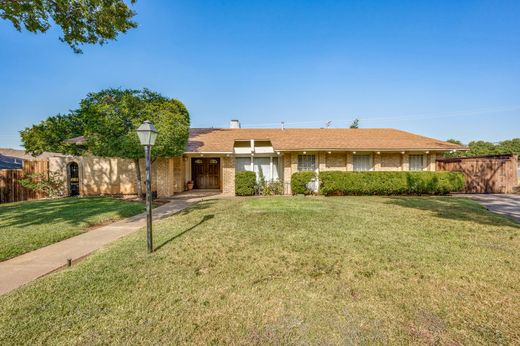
column 147, row 135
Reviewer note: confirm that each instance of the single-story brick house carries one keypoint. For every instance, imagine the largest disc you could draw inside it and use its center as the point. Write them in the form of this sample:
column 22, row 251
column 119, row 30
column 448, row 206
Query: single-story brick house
column 213, row 155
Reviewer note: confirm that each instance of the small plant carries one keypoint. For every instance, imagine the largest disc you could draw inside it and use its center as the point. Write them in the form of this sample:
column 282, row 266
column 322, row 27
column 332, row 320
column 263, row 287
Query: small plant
column 274, row 187
column 261, row 185
column 51, row 185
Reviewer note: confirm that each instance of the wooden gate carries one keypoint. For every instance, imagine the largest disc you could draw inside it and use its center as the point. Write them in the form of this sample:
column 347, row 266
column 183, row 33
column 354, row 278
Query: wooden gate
column 10, row 188
column 484, row 174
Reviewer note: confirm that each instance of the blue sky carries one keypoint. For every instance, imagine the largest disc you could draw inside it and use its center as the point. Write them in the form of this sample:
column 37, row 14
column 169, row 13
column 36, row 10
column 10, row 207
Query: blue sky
column 445, row 69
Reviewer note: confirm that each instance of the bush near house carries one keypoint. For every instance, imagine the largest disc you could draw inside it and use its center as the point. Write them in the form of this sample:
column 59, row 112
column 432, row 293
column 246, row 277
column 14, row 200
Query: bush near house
column 299, row 181
column 335, row 183
column 245, row 183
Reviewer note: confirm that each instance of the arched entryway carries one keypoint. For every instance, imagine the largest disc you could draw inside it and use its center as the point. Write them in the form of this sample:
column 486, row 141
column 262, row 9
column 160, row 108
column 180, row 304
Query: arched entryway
column 73, row 173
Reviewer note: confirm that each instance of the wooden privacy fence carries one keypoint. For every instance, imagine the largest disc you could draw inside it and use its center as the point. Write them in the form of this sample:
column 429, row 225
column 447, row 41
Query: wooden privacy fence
column 10, row 188
column 484, row 174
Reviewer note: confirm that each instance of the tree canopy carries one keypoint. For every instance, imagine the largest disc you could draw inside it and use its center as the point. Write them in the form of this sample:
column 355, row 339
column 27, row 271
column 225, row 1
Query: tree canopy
column 82, row 22
column 108, row 120
column 51, row 133
column 479, row 148
column 111, row 117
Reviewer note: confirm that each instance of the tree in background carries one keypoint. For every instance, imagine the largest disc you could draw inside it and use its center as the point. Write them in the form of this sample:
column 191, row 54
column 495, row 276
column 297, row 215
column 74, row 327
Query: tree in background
column 355, row 124
column 51, row 133
column 454, row 141
column 108, row 120
column 479, row 148
column 82, row 22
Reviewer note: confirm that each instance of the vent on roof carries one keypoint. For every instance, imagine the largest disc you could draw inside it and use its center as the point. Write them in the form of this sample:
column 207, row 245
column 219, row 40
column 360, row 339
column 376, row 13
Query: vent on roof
column 234, row 124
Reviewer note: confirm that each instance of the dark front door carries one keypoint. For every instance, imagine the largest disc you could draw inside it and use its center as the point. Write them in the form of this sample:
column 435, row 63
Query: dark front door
column 205, row 173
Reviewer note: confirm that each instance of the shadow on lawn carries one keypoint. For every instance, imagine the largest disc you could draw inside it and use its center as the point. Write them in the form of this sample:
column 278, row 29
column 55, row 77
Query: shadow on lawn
column 197, row 206
column 72, row 210
column 453, row 208
column 204, row 219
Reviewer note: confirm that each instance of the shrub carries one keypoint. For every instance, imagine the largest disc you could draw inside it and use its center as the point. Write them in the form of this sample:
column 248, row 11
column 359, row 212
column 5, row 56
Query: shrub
column 50, row 184
column 390, row 183
column 299, row 181
column 245, row 183
column 273, row 188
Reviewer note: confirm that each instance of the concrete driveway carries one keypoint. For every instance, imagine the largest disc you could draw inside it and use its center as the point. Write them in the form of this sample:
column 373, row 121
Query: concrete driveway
column 508, row 205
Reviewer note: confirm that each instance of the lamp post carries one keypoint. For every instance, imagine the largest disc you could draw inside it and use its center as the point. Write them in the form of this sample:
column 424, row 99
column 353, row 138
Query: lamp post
column 147, row 135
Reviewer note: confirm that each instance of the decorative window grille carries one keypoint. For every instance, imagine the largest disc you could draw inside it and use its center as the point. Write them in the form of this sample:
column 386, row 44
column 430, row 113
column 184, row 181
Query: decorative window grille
column 306, row 163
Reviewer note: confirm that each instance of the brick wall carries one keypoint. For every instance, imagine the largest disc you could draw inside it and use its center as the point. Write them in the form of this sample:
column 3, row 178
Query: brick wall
column 336, row 161
column 391, row 162
column 114, row 176
column 343, row 161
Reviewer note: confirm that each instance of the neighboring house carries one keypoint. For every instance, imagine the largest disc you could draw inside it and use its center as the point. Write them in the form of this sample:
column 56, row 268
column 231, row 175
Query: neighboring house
column 213, row 155
column 14, row 158
column 8, row 162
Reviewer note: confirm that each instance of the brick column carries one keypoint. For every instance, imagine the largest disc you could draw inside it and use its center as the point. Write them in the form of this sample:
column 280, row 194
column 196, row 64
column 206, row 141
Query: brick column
column 350, row 162
column 377, row 162
column 228, row 175
column 431, row 166
column 322, row 161
column 287, row 171
column 406, row 162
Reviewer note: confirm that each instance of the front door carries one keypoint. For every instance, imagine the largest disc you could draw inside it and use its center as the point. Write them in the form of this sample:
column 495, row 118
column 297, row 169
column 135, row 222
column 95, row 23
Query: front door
column 205, row 173
column 73, row 179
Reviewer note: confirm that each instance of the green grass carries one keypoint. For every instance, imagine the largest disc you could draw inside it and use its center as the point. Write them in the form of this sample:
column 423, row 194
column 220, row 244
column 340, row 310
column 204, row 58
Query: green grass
column 289, row 270
column 26, row 226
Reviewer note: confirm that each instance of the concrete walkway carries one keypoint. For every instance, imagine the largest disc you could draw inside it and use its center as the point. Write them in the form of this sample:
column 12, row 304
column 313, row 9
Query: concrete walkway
column 508, row 205
column 27, row 267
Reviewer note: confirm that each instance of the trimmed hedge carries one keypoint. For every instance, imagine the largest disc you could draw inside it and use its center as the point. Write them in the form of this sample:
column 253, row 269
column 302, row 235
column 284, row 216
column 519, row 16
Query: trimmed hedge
column 299, row 181
column 335, row 183
column 245, row 182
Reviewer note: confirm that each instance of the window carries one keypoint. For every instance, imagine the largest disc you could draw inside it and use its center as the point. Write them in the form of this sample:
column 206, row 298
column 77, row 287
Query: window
column 306, row 163
column 243, row 164
column 361, row 163
column 263, row 164
column 416, row 162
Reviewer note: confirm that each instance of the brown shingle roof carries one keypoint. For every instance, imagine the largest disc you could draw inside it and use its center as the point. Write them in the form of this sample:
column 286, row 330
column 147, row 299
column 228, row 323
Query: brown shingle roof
column 212, row 140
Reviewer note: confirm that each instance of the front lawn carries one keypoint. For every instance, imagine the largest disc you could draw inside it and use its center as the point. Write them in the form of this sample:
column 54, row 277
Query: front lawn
column 289, row 270
column 26, row 226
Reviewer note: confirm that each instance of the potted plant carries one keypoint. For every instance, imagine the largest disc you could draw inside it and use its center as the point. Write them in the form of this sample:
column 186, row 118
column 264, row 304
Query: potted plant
column 189, row 185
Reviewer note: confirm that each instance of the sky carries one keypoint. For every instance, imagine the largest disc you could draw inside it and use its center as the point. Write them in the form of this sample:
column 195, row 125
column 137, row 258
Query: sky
column 444, row 69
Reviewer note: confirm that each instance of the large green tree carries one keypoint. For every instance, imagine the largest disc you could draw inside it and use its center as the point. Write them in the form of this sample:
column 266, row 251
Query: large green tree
column 81, row 21
column 107, row 120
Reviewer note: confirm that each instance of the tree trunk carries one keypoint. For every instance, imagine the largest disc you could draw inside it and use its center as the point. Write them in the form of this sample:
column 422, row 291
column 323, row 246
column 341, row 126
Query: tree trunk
column 138, row 180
